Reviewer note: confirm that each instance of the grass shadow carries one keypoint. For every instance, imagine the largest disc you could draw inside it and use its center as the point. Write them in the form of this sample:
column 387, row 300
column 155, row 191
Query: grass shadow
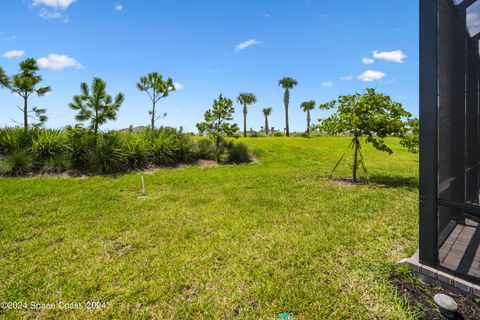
column 395, row 181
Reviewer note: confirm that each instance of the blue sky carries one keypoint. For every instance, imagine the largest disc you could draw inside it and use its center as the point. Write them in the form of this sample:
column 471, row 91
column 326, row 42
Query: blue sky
column 211, row 47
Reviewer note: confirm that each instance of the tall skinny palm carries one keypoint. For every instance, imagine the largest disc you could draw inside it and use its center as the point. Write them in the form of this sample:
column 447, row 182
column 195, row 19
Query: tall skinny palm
column 266, row 112
column 287, row 83
column 246, row 99
column 306, row 107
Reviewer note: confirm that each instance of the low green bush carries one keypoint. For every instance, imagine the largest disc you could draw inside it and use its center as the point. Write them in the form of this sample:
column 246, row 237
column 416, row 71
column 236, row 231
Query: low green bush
column 48, row 143
column 109, row 156
column 203, row 149
column 80, row 145
column 50, row 151
column 257, row 135
column 12, row 139
column 301, row 135
column 137, row 150
column 55, row 151
column 238, row 153
column 16, row 162
column 57, row 163
column 163, row 146
column 278, row 134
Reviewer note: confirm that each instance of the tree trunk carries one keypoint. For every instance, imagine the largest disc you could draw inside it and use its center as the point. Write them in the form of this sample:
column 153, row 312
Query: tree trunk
column 95, row 129
column 25, row 112
column 95, row 136
column 153, row 116
column 266, row 125
column 245, row 120
column 286, row 101
column 217, row 147
column 355, row 158
column 308, row 122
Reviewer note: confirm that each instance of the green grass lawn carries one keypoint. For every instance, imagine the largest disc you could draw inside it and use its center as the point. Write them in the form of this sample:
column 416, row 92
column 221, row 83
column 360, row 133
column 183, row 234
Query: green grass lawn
column 243, row 242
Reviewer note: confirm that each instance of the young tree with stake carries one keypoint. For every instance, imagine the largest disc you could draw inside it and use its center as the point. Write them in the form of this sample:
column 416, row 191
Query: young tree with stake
column 156, row 88
column 24, row 84
column 372, row 116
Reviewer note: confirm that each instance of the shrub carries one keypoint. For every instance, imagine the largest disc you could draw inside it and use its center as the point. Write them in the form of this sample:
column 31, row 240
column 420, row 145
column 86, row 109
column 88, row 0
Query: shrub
column 57, row 163
column 12, row 139
column 109, row 156
column 16, row 162
column 50, row 151
column 54, row 151
column 80, row 144
column 238, row 153
column 136, row 149
column 9, row 140
column 204, row 149
column 256, row 135
column 278, row 134
column 169, row 146
column 49, row 143
column 164, row 149
column 236, row 135
column 185, row 148
column 301, row 135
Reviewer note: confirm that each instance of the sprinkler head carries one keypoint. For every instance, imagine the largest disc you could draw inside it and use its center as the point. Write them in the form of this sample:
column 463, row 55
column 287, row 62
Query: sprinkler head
column 448, row 307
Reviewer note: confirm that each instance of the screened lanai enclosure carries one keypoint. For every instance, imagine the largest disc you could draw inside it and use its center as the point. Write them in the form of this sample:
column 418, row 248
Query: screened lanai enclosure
column 450, row 137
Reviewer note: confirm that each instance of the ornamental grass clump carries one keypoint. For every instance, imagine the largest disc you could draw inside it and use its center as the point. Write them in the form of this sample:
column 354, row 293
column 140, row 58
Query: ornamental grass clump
column 51, row 152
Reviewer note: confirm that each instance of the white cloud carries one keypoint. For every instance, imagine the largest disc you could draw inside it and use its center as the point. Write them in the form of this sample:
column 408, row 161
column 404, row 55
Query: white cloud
column 394, row 56
column 178, row 86
column 473, row 22
column 328, row 84
column 58, row 62
column 13, row 54
column 391, row 81
column 368, row 61
column 52, row 15
column 5, row 37
column 346, row 78
column 246, row 44
column 370, row 75
column 56, row 4
column 118, row 7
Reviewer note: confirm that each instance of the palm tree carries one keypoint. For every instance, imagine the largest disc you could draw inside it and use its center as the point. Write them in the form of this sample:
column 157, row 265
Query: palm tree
column 306, row 107
column 287, row 84
column 246, row 99
column 266, row 112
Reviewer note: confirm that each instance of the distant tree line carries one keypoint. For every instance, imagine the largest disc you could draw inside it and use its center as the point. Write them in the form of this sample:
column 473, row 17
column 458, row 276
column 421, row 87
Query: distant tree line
column 370, row 116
